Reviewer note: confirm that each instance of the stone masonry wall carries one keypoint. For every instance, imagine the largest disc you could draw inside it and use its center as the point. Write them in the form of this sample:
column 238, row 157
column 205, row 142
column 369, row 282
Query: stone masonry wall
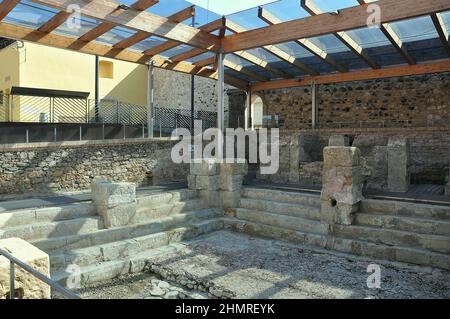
column 417, row 99
column 71, row 166
column 428, row 153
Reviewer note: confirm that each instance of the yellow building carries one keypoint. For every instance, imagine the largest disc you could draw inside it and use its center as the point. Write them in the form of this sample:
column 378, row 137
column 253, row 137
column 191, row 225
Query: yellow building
column 29, row 65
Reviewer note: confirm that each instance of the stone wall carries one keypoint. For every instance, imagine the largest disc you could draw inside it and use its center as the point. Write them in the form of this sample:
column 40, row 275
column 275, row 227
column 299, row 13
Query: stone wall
column 417, row 99
column 173, row 90
column 45, row 168
column 428, row 154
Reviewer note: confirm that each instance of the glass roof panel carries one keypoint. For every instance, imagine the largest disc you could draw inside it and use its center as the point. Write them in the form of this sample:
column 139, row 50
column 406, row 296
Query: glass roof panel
column 446, row 17
column 415, row 29
column 369, row 37
column 115, row 35
column 201, row 57
column 177, row 50
column 148, row 43
column 329, row 43
column 427, row 50
column 30, row 14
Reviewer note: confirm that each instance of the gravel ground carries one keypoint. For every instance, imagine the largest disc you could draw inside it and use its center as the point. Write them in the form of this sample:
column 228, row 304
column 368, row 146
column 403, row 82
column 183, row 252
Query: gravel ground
column 231, row 265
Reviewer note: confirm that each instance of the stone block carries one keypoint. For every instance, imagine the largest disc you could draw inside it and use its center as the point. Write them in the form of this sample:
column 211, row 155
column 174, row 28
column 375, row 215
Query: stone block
column 109, row 194
column 206, row 167
column 235, row 168
column 210, row 183
column 398, row 164
column 26, row 285
column 230, row 182
column 212, row 198
column 339, row 140
column 117, row 216
column 191, row 181
column 341, row 156
column 230, row 199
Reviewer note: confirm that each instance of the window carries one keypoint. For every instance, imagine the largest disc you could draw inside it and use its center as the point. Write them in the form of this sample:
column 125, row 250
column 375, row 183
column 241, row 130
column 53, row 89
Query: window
column 106, row 69
column 257, row 112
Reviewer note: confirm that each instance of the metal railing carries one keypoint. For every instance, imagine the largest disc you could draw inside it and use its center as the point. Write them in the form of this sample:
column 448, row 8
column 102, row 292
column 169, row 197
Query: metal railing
column 13, row 261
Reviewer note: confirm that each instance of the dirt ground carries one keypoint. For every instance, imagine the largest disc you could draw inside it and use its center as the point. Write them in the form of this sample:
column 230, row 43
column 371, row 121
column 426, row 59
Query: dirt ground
column 225, row 264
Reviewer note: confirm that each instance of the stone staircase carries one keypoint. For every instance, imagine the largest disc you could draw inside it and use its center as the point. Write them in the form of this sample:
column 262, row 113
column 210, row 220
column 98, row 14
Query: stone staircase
column 397, row 231
column 75, row 235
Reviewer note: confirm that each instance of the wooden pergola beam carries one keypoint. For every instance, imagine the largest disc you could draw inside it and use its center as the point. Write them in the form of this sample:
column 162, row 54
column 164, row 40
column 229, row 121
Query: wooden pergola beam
column 346, row 19
column 54, row 22
column 346, row 39
column 439, row 24
column 180, row 16
column 393, row 37
column 104, row 27
column 109, row 11
column 209, row 27
column 6, row 7
column 276, row 51
column 407, row 70
column 271, row 19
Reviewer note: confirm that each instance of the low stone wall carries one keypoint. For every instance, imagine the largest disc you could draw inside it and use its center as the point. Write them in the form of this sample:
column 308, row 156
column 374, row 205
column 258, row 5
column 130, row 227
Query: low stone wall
column 428, row 153
column 46, row 168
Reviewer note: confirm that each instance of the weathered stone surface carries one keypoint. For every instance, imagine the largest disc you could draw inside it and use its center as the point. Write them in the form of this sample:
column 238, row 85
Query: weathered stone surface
column 206, row 167
column 109, row 194
column 115, row 202
column 42, row 168
column 341, row 185
column 25, row 284
column 447, row 187
column 210, row 183
column 398, row 164
column 339, row 140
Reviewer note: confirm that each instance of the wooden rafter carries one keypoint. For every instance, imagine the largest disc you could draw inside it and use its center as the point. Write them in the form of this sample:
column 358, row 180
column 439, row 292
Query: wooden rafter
column 262, row 63
column 346, row 19
column 104, row 27
column 344, row 37
column 393, row 37
column 233, row 66
column 271, row 19
column 54, row 22
column 427, row 68
column 6, row 7
column 209, row 27
column 16, row 32
column 140, row 35
column 109, row 11
column 276, row 51
column 439, row 24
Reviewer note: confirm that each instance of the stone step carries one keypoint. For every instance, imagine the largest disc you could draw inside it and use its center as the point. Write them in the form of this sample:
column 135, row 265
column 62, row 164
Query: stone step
column 411, row 224
column 344, row 245
column 144, row 214
column 120, row 233
column 155, row 200
column 130, row 247
column 295, row 210
column 54, row 230
column 283, row 221
column 29, row 216
column 282, row 196
column 385, row 207
column 107, row 270
column 440, row 244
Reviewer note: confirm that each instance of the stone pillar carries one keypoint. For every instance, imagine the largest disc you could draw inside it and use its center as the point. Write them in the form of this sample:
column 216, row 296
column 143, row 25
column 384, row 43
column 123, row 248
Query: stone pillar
column 447, row 187
column 398, row 164
column 220, row 184
column 26, row 285
column 339, row 140
column 294, row 159
column 115, row 202
column 342, row 184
